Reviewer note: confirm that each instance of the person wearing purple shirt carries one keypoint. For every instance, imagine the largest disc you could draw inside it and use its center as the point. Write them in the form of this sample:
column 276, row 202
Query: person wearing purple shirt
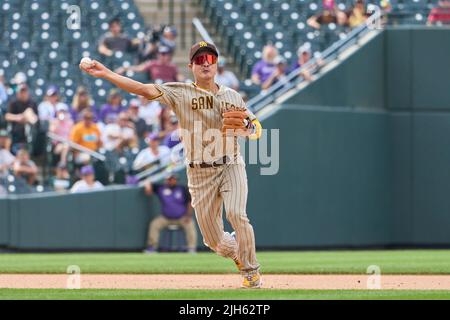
column 176, row 209
column 110, row 111
column 264, row 68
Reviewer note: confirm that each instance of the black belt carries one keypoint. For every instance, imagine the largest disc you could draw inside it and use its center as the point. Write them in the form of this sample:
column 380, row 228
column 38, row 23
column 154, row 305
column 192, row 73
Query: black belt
column 217, row 163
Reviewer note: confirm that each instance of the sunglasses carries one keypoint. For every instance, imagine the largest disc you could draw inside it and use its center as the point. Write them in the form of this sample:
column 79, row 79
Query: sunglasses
column 211, row 58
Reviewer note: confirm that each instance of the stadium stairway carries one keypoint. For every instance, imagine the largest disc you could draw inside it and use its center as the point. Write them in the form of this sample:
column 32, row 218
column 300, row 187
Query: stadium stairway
column 157, row 12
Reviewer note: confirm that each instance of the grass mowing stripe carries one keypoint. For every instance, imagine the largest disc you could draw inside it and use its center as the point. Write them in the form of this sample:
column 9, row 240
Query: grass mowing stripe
column 263, row 294
column 299, row 262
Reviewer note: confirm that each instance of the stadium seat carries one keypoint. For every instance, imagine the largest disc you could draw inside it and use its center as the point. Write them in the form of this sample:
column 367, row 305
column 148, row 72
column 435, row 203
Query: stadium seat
column 35, row 31
column 248, row 25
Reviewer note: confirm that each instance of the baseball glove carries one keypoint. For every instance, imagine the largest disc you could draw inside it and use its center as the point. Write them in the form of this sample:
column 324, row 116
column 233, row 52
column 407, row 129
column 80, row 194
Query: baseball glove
column 235, row 123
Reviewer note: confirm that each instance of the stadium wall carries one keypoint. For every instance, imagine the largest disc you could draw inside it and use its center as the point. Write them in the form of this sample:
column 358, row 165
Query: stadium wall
column 363, row 162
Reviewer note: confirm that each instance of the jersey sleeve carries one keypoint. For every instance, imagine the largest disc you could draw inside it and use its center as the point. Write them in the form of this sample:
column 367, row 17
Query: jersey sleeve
column 169, row 93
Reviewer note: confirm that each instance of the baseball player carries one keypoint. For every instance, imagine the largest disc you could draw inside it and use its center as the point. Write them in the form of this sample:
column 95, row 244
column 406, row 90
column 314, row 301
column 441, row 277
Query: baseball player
column 211, row 119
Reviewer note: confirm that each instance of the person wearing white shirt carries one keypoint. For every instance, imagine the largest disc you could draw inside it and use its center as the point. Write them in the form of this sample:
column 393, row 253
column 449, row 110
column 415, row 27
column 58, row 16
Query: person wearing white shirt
column 150, row 112
column 6, row 157
column 87, row 182
column 151, row 154
column 120, row 134
column 47, row 109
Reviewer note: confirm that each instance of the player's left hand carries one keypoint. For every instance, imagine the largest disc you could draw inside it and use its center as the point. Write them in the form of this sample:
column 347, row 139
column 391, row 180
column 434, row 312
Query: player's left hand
column 235, row 123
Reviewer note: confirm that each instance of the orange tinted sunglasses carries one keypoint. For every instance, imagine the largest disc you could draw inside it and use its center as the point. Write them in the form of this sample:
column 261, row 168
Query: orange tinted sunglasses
column 212, row 59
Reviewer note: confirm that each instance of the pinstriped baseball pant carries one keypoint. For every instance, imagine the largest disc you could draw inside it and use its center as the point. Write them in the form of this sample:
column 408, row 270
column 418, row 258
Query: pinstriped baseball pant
column 211, row 188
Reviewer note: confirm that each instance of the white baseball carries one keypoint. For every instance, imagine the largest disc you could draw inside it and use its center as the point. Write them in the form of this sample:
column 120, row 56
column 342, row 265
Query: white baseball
column 86, row 62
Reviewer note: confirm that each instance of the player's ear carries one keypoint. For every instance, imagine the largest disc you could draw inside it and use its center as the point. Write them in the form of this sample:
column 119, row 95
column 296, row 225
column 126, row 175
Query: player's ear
column 190, row 66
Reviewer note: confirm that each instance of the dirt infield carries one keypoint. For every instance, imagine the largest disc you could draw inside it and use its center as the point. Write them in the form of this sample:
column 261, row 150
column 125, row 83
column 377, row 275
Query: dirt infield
column 224, row 281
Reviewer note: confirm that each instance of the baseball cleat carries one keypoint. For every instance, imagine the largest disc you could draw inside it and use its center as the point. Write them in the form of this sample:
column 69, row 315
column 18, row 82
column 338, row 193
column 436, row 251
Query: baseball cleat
column 252, row 281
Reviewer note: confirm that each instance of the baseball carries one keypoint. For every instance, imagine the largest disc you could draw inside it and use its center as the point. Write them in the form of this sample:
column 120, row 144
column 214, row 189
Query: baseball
column 86, row 62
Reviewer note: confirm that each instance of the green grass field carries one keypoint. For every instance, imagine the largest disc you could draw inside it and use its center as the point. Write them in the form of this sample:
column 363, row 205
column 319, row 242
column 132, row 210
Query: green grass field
column 261, row 294
column 318, row 262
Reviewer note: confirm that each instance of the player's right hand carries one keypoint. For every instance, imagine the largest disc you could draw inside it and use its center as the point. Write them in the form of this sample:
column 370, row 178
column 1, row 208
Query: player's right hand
column 95, row 69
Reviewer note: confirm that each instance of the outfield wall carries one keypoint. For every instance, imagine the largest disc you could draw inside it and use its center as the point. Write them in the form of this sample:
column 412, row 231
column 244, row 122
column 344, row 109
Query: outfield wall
column 364, row 161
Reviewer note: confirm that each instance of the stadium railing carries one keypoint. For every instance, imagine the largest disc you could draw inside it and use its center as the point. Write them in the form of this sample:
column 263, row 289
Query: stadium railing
column 294, row 78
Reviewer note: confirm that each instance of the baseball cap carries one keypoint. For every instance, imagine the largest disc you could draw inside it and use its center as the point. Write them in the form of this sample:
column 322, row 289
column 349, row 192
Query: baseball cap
column 171, row 29
column 279, row 60
column 134, row 103
column 153, row 136
column 19, row 78
column 22, row 87
column 172, row 175
column 87, row 170
column 51, row 91
column 62, row 107
column 164, row 49
column 304, row 48
column 202, row 46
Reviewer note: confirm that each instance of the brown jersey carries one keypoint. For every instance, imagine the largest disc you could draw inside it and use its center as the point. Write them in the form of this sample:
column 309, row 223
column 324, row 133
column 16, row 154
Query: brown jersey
column 199, row 111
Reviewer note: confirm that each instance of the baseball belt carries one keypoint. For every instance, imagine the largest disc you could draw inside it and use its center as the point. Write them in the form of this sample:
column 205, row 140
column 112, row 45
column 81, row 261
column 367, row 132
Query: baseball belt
column 217, row 163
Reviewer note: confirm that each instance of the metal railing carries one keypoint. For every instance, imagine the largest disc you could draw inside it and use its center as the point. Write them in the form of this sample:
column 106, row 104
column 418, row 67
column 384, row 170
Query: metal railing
column 76, row 146
column 330, row 54
column 198, row 25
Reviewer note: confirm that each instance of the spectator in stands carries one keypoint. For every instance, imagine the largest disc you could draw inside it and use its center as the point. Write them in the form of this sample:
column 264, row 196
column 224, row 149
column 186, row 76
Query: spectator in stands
column 440, row 14
column 24, row 167
column 176, row 209
column 161, row 69
column 87, row 182
column 166, row 117
column 303, row 57
column 168, row 38
column 48, row 108
column 148, row 46
column 264, row 68
column 357, row 15
column 3, row 94
column 21, row 112
column 150, row 111
column 226, row 77
column 279, row 74
column 119, row 135
column 139, row 123
column 155, row 153
column 6, row 157
column 171, row 135
column 330, row 14
column 86, row 134
column 81, row 101
column 110, row 111
column 115, row 40
column 62, row 126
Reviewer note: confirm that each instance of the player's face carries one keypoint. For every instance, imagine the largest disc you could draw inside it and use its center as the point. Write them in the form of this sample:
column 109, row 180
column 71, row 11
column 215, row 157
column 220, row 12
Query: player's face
column 204, row 66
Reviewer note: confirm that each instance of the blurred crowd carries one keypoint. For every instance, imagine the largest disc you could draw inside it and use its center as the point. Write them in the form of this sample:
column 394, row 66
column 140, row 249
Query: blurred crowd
column 273, row 67
column 133, row 136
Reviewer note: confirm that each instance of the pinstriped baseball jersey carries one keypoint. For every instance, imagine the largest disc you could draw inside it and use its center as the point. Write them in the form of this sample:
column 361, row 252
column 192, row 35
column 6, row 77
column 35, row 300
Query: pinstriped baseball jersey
column 199, row 110
column 211, row 189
